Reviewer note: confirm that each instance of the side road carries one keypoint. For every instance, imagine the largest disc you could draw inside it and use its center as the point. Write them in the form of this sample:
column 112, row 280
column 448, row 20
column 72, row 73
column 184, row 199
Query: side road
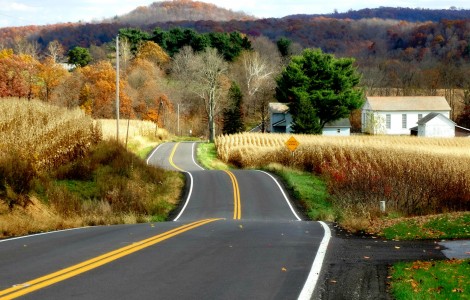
column 356, row 267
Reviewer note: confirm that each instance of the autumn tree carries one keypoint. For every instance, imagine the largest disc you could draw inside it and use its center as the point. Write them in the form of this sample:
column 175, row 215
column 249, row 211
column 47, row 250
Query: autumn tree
column 144, row 78
column 98, row 91
column 50, row 76
column 319, row 88
column 18, row 75
column 152, row 52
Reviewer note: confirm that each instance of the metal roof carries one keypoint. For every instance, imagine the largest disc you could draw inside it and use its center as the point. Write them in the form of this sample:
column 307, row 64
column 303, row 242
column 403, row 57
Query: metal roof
column 410, row 103
column 431, row 116
column 339, row 123
column 278, row 108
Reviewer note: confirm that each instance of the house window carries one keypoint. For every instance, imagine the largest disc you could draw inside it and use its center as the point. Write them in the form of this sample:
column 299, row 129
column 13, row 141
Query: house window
column 420, row 116
column 388, row 121
column 403, row 121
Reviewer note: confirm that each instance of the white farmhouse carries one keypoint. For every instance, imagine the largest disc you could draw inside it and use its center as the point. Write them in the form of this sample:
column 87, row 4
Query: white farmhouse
column 397, row 115
column 281, row 122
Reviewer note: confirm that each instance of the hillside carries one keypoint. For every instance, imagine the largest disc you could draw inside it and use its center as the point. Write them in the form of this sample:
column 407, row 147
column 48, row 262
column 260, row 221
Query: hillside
column 178, row 10
column 333, row 33
column 396, row 13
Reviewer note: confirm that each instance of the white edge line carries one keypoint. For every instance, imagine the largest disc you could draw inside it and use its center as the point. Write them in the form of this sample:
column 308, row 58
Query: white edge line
column 42, row 233
column 314, row 274
column 153, row 152
column 187, row 199
column 190, row 185
column 193, row 156
column 284, row 194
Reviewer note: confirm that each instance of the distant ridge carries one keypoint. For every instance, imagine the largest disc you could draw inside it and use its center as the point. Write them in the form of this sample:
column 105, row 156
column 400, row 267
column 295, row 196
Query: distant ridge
column 396, row 13
column 179, row 10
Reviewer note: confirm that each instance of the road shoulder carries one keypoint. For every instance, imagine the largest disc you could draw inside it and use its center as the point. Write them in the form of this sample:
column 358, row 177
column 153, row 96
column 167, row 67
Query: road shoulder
column 356, row 266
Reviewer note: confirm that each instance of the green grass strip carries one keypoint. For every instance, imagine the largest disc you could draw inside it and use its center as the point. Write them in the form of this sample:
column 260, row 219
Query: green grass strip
column 431, row 280
column 310, row 190
column 433, row 227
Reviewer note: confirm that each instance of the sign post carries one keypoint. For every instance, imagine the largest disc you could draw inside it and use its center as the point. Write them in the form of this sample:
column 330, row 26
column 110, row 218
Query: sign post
column 292, row 144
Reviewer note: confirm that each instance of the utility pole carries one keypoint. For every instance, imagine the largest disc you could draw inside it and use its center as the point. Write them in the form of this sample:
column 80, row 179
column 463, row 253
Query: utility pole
column 117, row 88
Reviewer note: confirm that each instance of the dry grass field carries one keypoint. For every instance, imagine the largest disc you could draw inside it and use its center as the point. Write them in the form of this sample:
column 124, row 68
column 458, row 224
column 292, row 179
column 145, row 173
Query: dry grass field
column 415, row 176
column 141, row 135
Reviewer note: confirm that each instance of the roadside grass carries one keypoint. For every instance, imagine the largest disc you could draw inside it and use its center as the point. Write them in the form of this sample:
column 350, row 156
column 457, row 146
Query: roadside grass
column 448, row 279
column 207, row 157
column 443, row 226
column 309, row 191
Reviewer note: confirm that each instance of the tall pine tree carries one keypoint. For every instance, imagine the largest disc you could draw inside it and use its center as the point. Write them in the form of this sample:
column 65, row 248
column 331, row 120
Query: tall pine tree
column 319, row 88
column 233, row 115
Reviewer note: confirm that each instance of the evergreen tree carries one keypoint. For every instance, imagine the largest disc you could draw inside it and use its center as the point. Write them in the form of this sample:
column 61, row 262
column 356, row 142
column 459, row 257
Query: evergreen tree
column 233, row 116
column 79, row 57
column 319, row 88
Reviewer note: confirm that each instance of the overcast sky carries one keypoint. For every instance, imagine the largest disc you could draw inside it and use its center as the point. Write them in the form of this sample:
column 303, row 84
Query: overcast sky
column 41, row 12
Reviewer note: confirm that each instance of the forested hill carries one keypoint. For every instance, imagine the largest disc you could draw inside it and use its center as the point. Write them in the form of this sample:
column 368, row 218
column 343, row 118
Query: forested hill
column 338, row 33
column 397, row 13
column 178, row 10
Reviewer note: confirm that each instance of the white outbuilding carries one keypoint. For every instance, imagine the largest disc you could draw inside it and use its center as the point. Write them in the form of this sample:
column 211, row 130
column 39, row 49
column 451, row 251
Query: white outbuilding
column 436, row 125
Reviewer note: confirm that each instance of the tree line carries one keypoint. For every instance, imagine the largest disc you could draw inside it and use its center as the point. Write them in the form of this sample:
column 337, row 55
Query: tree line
column 165, row 69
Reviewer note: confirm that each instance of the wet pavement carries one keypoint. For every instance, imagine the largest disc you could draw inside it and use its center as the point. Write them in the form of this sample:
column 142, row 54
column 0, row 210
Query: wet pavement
column 459, row 249
column 356, row 267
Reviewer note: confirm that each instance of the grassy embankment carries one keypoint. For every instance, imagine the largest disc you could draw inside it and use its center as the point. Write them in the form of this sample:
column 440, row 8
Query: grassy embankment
column 57, row 172
column 427, row 176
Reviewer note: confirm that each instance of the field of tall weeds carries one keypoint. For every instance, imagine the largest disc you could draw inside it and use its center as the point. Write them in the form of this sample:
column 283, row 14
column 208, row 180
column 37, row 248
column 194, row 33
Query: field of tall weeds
column 415, row 176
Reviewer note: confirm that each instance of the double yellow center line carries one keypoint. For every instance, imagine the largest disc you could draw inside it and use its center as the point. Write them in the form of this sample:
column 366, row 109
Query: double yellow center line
column 237, row 214
column 170, row 159
column 39, row 283
column 237, row 210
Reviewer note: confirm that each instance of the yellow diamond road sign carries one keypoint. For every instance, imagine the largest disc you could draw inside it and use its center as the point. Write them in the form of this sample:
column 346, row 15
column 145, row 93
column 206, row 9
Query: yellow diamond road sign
column 292, row 143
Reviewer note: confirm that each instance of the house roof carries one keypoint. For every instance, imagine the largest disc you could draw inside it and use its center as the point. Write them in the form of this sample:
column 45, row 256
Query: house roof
column 431, row 116
column 339, row 123
column 413, row 103
column 279, row 108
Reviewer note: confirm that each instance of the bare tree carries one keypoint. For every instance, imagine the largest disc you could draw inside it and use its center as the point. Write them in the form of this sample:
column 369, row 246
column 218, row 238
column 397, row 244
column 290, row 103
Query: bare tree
column 55, row 51
column 202, row 74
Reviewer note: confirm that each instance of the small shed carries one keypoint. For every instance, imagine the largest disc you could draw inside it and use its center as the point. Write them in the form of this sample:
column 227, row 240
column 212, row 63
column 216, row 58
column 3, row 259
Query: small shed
column 436, row 125
column 340, row 127
column 280, row 118
column 281, row 122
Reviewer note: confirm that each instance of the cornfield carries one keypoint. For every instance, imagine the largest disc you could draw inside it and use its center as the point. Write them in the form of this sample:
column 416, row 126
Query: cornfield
column 413, row 175
column 46, row 135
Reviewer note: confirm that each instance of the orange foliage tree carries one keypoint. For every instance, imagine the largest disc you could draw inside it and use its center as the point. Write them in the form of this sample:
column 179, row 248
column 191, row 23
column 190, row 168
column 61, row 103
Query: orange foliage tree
column 154, row 53
column 98, row 92
column 50, row 76
column 17, row 75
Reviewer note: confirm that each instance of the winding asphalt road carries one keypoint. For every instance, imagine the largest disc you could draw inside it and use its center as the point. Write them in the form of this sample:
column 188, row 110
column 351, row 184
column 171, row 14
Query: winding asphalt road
column 236, row 236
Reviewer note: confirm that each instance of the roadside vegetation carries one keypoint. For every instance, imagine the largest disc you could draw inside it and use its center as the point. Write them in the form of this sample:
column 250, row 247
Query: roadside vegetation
column 415, row 176
column 57, row 172
column 431, row 279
